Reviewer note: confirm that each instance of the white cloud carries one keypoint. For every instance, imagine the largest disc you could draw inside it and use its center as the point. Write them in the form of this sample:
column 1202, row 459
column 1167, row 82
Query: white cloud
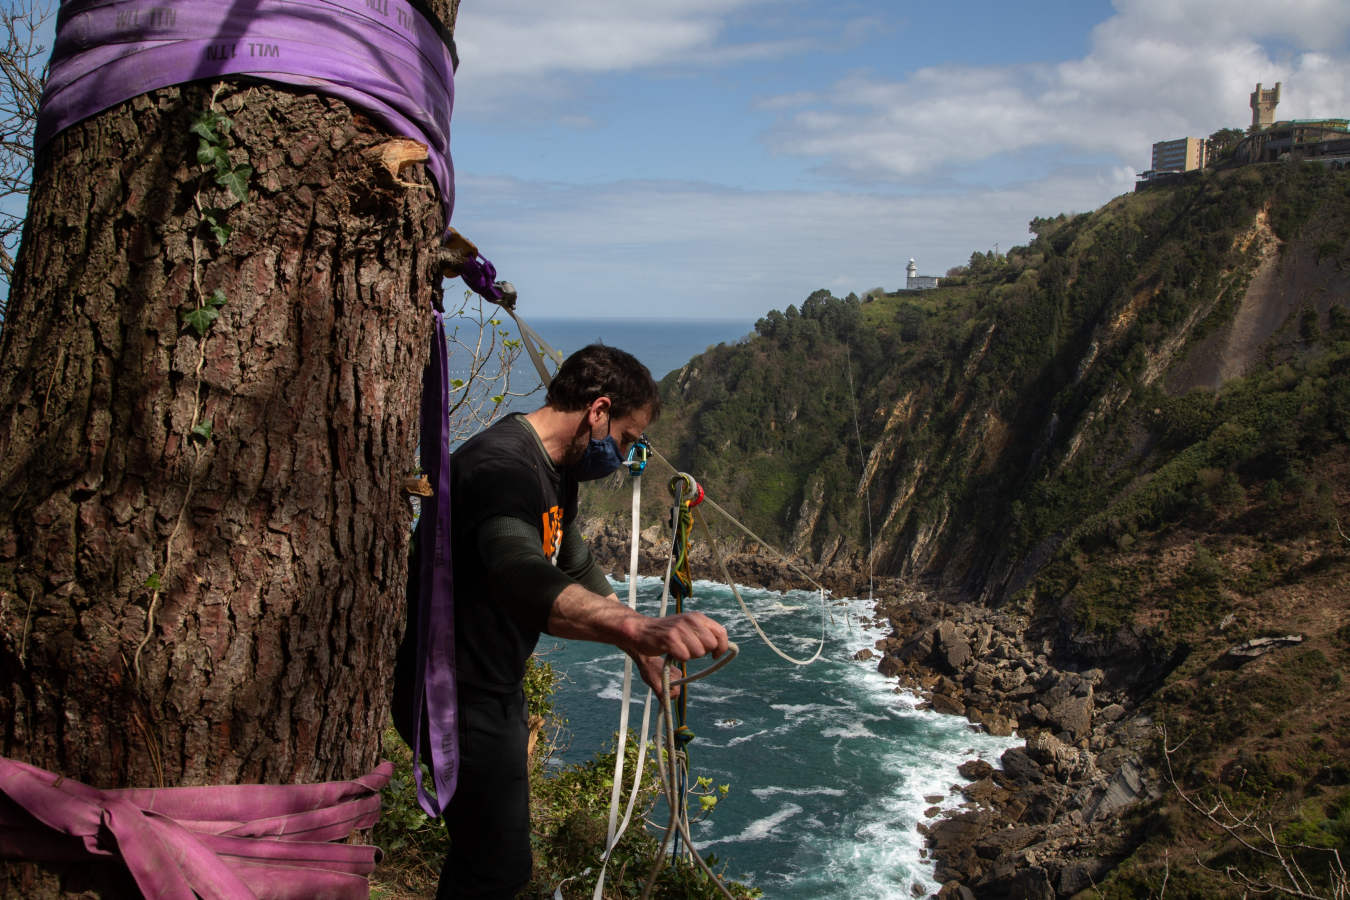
column 711, row 251
column 1312, row 24
column 505, row 46
column 1158, row 69
column 512, row 49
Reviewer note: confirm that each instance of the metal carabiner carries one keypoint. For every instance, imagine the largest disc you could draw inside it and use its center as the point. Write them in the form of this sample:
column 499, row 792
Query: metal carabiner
column 637, row 456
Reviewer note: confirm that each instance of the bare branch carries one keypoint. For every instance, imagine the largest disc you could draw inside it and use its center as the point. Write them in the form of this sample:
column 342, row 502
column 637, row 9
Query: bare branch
column 1256, row 833
column 483, row 354
column 23, row 71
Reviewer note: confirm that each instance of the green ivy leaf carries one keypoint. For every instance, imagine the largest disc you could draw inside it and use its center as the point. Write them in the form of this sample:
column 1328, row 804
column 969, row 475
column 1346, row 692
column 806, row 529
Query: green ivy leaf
column 204, row 126
column 214, row 219
column 213, row 156
column 217, row 299
column 202, row 430
column 153, row 582
column 236, row 180
column 201, row 318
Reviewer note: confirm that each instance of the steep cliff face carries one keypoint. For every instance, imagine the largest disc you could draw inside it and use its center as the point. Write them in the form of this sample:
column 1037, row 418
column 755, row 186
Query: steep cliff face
column 982, row 406
column 1133, row 437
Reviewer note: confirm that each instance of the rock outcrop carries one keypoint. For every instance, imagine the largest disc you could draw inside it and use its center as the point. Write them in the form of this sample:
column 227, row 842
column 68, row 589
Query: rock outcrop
column 1048, row 821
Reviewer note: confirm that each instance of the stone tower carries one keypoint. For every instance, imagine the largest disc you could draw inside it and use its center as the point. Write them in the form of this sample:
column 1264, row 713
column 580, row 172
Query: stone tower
column 1263, row 107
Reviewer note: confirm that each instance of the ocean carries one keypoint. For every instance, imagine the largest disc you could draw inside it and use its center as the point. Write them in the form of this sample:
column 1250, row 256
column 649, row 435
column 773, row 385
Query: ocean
column 830, row 768
column 662, row 345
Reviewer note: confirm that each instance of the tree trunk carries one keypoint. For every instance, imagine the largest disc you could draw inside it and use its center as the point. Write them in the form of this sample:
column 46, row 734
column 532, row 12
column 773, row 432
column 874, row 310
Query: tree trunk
column 203, row 536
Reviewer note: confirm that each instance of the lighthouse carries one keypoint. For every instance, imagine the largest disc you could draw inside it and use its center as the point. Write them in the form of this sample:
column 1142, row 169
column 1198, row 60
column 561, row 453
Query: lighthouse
column 916, row 282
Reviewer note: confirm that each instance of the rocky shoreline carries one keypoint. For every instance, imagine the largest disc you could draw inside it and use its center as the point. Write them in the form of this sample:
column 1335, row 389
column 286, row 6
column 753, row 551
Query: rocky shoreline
column 1051, row 820
column 1054, row 817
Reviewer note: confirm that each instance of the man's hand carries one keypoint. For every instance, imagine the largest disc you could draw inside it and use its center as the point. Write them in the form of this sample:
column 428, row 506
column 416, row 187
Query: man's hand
column 577, row 613
column 684, row 636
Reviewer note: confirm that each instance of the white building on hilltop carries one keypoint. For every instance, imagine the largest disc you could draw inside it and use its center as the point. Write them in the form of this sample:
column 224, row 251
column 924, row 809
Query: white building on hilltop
column 916, row 282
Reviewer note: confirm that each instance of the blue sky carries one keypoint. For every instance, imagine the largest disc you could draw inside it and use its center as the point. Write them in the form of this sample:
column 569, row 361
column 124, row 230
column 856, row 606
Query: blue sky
column 720, row 158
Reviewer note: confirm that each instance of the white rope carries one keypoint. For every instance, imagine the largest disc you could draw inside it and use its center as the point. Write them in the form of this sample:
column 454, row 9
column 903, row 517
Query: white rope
column 717, row 554
column 616, row 830
column 726, row 576
column 627, row 673
column 748, row 533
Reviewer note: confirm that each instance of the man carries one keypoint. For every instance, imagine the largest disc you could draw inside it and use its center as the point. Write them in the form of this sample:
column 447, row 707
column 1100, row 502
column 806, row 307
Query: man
column 521, row 569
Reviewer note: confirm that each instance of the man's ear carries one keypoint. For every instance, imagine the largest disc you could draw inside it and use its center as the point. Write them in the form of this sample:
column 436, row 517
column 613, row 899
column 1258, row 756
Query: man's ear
column 600, row 406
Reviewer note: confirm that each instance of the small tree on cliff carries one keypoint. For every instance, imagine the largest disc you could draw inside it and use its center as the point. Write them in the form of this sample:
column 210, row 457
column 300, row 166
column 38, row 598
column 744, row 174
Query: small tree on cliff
column 203, row 438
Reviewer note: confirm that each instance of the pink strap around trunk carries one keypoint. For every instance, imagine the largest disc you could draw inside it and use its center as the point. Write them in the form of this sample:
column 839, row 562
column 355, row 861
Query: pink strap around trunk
column 230, row 842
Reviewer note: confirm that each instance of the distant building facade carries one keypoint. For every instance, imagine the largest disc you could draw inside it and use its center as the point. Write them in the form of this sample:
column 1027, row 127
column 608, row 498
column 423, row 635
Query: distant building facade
column 916, row 282
column 1263, row 105
column 1300, row 139
column 1325, row 141
column 1181, row 155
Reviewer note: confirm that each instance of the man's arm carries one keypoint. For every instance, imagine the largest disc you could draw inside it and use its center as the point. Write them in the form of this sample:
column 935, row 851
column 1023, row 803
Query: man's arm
column 580, row 614
column 541, row 596
column 577, row 613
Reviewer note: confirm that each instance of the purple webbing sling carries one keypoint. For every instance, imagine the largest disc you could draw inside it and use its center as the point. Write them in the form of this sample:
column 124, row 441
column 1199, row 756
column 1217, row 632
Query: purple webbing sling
column 225, row 842
column 388, row 59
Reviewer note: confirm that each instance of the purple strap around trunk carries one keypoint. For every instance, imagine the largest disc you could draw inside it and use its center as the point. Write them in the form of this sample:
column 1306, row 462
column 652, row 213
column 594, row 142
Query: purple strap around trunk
column 383, row 56
column 221, row 843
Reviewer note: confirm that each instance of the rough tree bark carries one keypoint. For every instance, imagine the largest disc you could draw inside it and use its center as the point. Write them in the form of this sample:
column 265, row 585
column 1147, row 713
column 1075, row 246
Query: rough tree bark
column 190, row 605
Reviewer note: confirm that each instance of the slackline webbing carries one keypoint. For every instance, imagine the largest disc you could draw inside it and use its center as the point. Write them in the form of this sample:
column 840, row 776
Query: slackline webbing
column 386, row 57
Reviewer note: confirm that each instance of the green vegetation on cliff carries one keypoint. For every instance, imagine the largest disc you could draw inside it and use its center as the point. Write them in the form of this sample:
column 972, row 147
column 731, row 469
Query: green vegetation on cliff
column 1001, row 412
column 1135, row 430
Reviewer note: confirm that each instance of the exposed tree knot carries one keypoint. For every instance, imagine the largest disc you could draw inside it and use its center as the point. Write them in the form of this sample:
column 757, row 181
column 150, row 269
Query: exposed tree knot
column 395, row 155
column 417, row 486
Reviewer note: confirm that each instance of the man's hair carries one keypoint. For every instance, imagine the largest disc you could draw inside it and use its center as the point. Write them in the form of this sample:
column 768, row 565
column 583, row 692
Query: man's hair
column 600, row 371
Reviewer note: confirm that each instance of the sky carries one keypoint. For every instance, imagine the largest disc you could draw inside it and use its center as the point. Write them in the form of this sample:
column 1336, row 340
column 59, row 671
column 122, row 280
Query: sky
column 721, row 158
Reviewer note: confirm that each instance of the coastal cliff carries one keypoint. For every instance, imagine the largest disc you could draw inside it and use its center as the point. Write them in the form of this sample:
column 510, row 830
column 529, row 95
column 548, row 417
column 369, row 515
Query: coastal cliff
column 1082, row 475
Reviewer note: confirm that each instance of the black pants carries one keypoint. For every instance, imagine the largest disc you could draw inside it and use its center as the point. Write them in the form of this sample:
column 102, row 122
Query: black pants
column 489, row 816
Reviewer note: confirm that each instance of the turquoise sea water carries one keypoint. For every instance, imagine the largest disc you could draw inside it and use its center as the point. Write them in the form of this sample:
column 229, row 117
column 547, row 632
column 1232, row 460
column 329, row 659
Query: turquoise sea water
column 829, row 766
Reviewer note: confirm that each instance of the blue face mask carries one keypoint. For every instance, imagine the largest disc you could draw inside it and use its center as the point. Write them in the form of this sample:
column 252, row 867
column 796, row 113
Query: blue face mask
column 599, row 459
